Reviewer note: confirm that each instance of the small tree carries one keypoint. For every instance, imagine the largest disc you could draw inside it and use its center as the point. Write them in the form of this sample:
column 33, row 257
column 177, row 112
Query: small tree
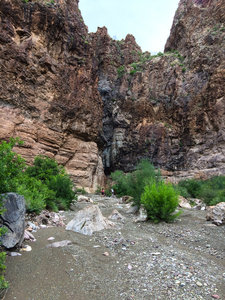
column 160, row 201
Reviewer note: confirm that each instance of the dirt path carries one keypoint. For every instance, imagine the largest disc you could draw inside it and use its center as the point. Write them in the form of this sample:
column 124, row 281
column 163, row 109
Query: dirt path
column 184, row 260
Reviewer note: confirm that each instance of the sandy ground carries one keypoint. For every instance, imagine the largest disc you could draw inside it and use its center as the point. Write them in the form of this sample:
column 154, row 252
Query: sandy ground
column 183, row 260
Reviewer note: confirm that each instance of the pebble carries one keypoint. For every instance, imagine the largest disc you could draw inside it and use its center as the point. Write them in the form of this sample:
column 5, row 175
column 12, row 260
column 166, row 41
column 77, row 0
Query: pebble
column 106, row 254
column 26, row 248
column 51, row 238
column 14, row 254
column 199, row 283
column 129, row 267
column 215, row 296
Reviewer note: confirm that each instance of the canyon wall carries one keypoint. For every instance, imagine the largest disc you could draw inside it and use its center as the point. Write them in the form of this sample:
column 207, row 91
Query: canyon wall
column 97, row 104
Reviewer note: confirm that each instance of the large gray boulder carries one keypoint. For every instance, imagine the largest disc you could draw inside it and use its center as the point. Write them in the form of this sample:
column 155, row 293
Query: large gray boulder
column 13, row 218
column 89, row 220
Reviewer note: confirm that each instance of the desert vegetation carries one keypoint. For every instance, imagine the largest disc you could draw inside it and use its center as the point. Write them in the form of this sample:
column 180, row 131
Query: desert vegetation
column 43, row 185
column 146, row 187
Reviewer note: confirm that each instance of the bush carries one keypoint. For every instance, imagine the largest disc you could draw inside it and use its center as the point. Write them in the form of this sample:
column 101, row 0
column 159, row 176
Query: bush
column 160, row 201
column 190, row 187
column 60, row 187
column 11, row 166
column 133, row 184
column 43, row 185
column 36, row 194
column 211, row 191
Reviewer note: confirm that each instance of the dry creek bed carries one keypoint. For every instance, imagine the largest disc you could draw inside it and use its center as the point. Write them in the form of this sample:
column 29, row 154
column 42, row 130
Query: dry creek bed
column 182, row 260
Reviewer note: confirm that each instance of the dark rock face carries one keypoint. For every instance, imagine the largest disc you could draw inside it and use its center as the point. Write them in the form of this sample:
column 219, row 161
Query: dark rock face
column 13, row 219
column 95, row 103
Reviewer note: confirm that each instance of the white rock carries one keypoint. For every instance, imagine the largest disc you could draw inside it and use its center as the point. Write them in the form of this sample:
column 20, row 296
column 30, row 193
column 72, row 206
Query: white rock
column 26, row 248
column 216, row 213
column 89, row 220
column 82, row 198
column 59, row 244
column 14, row 254
column 142, row 215
column 132, row 209
column 51, row 238
column 184, row 203
column 115, row 215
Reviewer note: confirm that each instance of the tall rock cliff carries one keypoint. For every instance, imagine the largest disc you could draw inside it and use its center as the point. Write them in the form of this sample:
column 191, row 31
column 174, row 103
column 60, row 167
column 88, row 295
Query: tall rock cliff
column 97, row 104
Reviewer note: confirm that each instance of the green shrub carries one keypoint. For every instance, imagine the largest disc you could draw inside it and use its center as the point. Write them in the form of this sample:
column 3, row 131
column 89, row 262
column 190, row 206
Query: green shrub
column 121, row 71
column 133, row 184
column 43, row 185
column 35, row 193
column 160, row 201
column 11, row 166
column 121, row 183
column 211, row 191
column 44, row 168
column 51, row 175
column 192, row 187
column 62, row 185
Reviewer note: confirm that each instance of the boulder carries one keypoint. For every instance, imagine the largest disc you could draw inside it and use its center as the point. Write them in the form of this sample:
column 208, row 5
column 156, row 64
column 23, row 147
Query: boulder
column 13, row 218
column 88, row 220
column 216, row 214
column 184, row 203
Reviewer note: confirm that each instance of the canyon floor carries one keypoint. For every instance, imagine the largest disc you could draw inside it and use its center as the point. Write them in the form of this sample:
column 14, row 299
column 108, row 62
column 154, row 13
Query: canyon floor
column 182, row 260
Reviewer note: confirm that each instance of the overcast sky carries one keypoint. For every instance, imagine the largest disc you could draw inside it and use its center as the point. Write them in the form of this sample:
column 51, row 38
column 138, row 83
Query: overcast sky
column 148, row 20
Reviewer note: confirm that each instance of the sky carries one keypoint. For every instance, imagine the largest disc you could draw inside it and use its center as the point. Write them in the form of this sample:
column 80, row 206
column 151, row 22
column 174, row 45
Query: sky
column 149, row 21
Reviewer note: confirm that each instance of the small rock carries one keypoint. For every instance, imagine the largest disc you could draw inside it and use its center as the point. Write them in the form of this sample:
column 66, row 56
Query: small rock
column 132, row 209
column 129, row 267
column 184, row 203
column 127, row 199
column 43, row 226
column 14, row 254
column 31, row 226
column 29, row 236
column 215, row 296
column 198, row 283
column 59, row 244
column 51, row 238
column 142, row 217
column 105, row 253
column 26, row 248
column 216, row 214
column 82, row 198
column 155, row 253
column 115, row 215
